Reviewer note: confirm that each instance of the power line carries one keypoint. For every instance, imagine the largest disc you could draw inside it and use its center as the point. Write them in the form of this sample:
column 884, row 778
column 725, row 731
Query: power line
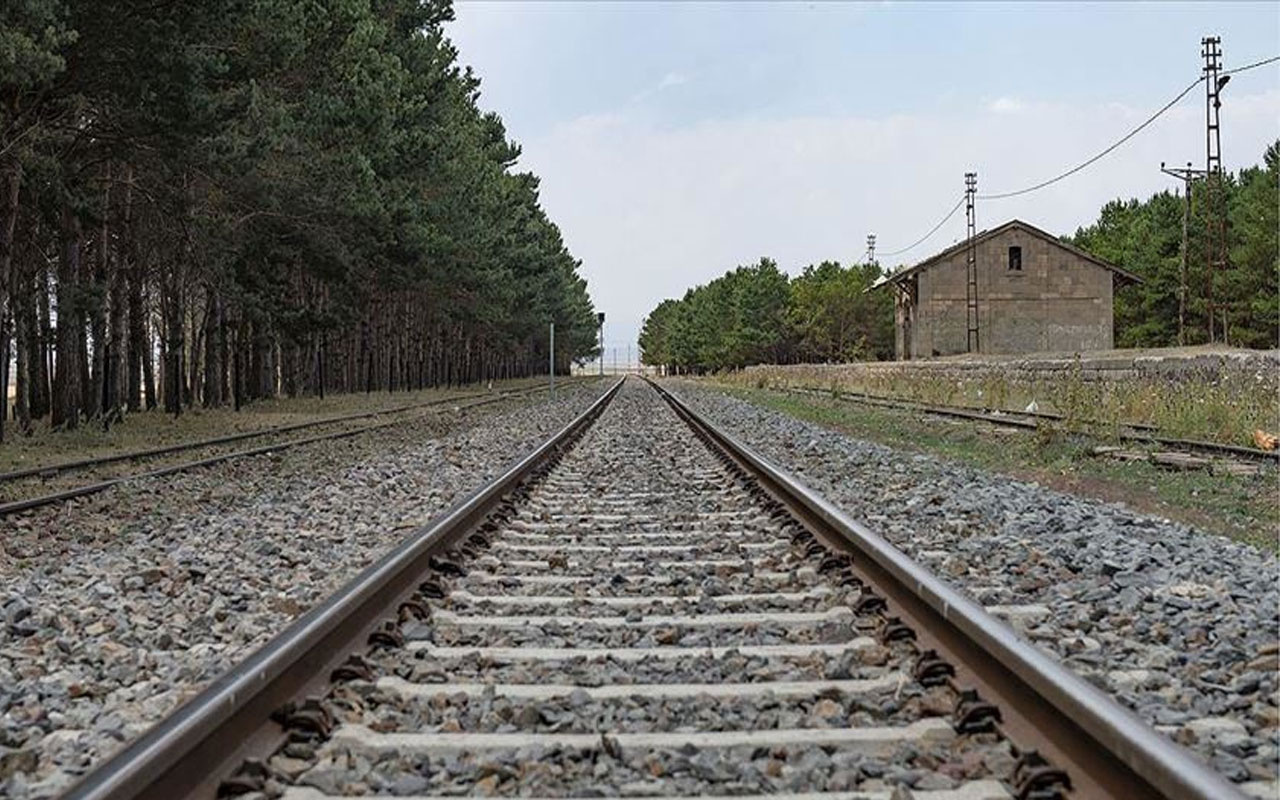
column 1090, row 162
column 1123, row 139
column 1255, row 64
column 931, row 232
column 1127, row 136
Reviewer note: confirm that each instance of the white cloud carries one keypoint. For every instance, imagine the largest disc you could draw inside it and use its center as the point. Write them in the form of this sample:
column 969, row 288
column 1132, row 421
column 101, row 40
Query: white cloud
column 653, row 210
column 1005, row 105
column 669, row 81
column 672, row 79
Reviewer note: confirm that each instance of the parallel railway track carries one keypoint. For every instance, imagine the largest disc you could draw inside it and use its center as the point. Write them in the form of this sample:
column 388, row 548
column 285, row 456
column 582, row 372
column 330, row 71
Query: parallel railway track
column 1135, row 432
column 103, row 482
column 644, row 606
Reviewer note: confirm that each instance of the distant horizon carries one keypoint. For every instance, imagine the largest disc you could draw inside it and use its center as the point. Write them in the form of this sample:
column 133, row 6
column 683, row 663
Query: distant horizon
column 793, row 131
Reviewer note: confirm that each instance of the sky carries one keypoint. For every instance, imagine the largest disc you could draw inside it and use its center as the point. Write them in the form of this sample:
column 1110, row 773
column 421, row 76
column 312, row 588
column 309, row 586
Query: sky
column 676, row 141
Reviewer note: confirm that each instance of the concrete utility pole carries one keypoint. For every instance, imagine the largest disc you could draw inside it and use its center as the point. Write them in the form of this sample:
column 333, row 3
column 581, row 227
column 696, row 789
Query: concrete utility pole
column 600, row 324
column 551, row 360
column 971, row 262
column 1186, row 174
column 1215, row 209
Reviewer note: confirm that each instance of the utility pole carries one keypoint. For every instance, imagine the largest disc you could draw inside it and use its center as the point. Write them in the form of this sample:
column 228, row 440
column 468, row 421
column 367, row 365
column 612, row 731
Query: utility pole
column 551, row 360
column 1186, row 174
column 1215, row 205
column 871, row 248
column 600, row 325
column 971, row 262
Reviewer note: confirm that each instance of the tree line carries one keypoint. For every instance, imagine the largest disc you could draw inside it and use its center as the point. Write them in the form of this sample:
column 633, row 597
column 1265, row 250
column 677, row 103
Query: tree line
column 215, row 202
column 757, row 314
column 1145, row 237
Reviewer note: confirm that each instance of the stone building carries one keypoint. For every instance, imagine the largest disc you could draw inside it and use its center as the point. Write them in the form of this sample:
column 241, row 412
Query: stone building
column 1035, row 293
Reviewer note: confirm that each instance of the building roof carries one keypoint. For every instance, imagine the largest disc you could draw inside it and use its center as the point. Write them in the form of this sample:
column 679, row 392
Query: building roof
column 1013, row 223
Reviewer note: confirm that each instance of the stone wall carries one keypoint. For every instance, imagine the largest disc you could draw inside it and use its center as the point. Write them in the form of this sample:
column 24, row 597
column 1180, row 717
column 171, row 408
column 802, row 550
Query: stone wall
column 1200, row 393
column 1199, row 363
column 1057, row 301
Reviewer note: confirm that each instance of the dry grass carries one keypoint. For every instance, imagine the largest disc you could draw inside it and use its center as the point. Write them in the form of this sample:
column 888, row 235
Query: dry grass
column 1225, row 406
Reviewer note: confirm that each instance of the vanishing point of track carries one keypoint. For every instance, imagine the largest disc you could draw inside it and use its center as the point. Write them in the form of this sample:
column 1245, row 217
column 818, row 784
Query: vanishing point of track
column 644, row 606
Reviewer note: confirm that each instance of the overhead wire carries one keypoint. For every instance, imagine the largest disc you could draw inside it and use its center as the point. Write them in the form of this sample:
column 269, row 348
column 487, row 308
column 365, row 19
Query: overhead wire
column 1254, row 65
column 1120, row 141
column 931, row 232
column 1085, row 164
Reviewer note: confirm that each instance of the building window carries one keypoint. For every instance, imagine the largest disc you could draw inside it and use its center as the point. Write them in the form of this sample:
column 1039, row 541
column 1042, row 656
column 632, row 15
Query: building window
column 1015, row 258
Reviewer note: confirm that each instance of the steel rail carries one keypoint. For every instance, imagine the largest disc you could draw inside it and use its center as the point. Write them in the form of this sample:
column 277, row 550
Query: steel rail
column 26, row 504
column 1010, row 419
column 995, row 414
column 205, row 740
column 1107, row 749
column 133, row 455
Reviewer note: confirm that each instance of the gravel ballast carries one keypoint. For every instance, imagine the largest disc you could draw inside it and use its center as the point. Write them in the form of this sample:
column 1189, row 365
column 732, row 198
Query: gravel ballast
column 639, row 682
column 116, row 608
column 1178, row 625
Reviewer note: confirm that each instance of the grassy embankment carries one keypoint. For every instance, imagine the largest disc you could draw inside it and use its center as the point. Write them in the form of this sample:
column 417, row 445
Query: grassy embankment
column 1246, row 508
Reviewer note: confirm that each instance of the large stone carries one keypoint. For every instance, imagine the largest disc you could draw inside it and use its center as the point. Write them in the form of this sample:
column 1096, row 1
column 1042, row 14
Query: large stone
column 1219, row 730
column 13, row 760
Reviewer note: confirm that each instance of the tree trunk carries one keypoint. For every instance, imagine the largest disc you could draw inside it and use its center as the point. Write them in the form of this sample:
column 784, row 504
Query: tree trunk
column 66, row 376
column 224, row 354
column 172, row 305
column 137, row 349
column 148, row 363
column 22, row 403
column 4, row 371
column 237, row 382
column 214, row 348
column 41, row 349
column 10, row 181
column 25, row 338
column 192, row 389
column 96, row 394
column 117, row 343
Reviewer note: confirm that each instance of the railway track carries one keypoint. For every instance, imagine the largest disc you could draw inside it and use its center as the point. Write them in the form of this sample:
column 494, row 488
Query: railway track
column 1136, row 432
column 104, row 477
column 642, row 607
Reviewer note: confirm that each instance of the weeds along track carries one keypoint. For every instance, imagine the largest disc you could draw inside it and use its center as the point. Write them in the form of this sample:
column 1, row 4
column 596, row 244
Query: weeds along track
column 643, row 607
column 1138, row 433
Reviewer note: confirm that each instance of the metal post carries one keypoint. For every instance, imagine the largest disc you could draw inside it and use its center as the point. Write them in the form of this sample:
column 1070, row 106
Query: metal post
column 551, row 360
column 1215, row 208
column 1186, row 174
column 971, row 263
column 1182, row 268
column 600, row 323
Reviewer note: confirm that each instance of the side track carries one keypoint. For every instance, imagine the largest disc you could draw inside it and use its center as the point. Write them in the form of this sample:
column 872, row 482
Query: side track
column 639, row 616
column 1139, row 433
column 458, row 403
